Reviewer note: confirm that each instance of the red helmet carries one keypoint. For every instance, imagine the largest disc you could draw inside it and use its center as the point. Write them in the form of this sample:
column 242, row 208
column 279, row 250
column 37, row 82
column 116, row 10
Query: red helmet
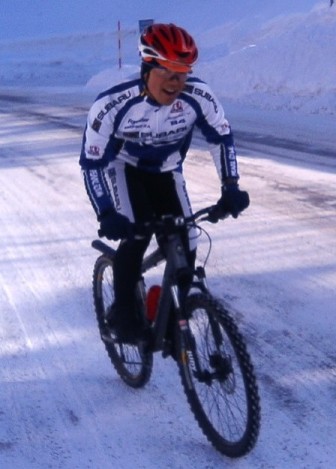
column 168, row 45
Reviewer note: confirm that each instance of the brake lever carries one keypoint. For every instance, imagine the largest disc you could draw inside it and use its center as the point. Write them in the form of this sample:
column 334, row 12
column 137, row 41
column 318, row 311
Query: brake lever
column 216, row 214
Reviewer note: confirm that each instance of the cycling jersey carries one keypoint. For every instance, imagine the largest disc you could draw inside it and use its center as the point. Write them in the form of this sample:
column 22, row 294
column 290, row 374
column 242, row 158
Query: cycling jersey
column 125, row 124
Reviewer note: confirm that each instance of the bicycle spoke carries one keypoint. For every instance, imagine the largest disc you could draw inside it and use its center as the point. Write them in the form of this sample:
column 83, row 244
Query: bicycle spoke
column 133, row 366
column 224, row 398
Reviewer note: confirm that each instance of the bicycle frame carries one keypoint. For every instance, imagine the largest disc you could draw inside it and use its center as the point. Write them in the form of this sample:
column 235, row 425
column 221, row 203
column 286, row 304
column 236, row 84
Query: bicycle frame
column 176, row 266
column 191, row 326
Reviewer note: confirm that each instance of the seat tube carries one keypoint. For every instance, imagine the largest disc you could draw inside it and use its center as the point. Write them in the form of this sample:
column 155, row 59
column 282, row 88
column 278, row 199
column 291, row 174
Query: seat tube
column 164, row 307
column 176, row 260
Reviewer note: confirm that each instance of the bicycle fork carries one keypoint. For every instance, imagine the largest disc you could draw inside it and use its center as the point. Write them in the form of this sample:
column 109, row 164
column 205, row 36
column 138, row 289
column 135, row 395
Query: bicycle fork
column 188, row 356
column 219, row 366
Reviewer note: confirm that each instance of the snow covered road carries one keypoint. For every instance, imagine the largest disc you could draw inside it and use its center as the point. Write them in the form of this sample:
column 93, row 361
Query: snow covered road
column 61, row 404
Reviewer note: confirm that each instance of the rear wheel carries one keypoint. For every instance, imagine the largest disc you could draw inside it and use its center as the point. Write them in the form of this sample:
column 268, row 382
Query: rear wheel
column 132, row 362
column 218, row 377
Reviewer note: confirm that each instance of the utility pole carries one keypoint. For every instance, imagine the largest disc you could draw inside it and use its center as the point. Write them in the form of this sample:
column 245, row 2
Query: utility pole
column 119, row 43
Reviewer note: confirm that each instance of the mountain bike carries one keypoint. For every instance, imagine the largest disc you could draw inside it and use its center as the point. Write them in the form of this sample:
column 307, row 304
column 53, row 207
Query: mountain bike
column 196, row 329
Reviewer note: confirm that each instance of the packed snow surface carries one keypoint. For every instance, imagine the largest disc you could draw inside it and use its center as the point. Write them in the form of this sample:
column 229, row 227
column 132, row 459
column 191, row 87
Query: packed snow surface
column 273, row 66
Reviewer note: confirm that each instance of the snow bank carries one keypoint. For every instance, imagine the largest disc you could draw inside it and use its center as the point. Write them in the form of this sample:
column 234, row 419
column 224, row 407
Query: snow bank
column 273, row 55
column 288, row 62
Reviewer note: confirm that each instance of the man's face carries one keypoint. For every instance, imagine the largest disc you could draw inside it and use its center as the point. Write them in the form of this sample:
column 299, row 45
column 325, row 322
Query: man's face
column 164, row 85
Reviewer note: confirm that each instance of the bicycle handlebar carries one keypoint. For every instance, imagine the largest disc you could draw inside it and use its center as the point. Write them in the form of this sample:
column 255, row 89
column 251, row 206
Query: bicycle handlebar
column 213, row 214
column 170, row 222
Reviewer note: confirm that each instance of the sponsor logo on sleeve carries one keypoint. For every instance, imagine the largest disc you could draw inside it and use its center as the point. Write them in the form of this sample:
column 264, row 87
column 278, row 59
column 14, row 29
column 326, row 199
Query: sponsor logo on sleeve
column 107, row 108
column 231, row 152
column 113, row 177
column 95, row 183
column 207, row 96
column 94, row 150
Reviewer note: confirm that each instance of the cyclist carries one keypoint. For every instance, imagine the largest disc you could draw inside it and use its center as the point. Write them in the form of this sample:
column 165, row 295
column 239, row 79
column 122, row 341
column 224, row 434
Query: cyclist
column 134, row 145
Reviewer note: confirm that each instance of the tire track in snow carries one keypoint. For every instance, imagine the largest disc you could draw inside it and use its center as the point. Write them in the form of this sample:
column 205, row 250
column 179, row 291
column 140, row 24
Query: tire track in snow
column 62, row 404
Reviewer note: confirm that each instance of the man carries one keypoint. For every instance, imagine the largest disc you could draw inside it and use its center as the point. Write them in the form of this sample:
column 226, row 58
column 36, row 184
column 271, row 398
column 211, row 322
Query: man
column 134, row 145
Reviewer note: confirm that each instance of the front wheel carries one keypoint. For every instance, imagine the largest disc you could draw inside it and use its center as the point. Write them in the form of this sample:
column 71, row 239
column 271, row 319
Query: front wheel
column 218, row 377
column 132, row 363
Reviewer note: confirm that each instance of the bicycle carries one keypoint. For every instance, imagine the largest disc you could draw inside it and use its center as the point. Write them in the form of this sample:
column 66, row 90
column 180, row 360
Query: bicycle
column 214, row 365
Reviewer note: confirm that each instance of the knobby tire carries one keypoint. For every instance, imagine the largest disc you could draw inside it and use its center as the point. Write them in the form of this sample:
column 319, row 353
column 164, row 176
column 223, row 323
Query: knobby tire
column 132, row 363
column 224, row 396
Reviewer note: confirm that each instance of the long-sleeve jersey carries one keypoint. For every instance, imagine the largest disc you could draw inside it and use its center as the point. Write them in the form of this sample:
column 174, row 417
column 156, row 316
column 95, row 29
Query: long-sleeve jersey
column 125, row 123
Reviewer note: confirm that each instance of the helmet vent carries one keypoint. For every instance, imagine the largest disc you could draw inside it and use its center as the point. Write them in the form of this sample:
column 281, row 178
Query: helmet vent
column 167, row 42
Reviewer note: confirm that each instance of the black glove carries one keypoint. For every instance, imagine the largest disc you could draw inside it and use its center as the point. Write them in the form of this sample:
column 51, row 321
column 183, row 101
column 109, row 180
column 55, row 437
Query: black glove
column 233, row 200
column 114, row 226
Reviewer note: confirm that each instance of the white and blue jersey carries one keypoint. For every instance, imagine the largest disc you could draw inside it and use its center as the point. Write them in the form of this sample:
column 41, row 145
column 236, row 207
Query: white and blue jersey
column 125, row 125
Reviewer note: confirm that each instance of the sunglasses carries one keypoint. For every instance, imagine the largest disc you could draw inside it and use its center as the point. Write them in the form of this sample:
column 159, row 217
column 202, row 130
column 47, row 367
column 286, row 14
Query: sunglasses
column 169, row 74
column 165, row 73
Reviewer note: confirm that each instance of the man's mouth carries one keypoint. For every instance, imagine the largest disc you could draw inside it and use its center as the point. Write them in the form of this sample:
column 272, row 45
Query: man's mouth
column 169, row 92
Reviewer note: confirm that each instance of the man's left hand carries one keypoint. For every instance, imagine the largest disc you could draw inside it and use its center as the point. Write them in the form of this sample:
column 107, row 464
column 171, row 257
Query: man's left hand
column 233, row 200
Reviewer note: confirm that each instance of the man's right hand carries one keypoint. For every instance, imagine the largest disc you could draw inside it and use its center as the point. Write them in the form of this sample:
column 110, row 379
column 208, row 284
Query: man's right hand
column 115, row 226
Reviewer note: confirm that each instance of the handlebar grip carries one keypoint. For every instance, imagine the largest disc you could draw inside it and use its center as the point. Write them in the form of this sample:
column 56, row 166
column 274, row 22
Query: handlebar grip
column 216, row 213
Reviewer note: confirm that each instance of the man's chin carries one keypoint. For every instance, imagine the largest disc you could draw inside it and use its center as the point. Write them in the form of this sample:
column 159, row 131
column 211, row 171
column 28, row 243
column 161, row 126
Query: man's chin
column 168, row 99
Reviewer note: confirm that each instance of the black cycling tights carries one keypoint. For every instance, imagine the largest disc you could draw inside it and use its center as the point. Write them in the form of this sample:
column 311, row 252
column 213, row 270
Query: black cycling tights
column 127, row 272
column 150, row 195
